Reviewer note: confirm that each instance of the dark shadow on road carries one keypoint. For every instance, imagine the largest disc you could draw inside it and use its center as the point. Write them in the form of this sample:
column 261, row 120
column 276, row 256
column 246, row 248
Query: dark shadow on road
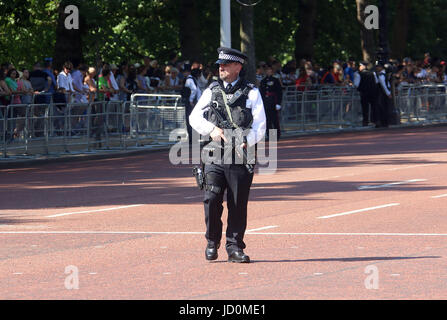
column 152, row 179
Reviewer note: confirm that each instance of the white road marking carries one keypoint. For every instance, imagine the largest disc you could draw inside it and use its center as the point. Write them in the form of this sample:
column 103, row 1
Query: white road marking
column 359, row 210
column 262, row 228
column 387, row 185
column 440, row 196
column 97, row 210
column 252, row 233
column 18, row 273
column 318, row 274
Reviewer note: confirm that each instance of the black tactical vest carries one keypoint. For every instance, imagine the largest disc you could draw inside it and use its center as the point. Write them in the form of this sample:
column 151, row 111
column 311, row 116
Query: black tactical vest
column 237, row 101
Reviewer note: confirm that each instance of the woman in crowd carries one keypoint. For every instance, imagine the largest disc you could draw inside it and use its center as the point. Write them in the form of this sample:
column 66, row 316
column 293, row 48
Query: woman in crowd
column 105, row 89
column 27, row 97
column 90, row 83
column 172, row 81
column 14, row 85
column 141, row 81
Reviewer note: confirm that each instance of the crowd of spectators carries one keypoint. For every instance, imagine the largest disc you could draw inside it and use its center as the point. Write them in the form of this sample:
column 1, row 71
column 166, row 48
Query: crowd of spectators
column 341, row 73
column 79, row 83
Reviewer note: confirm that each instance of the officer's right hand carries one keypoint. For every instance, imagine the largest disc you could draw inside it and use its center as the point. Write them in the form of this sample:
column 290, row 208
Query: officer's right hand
column 217, row 134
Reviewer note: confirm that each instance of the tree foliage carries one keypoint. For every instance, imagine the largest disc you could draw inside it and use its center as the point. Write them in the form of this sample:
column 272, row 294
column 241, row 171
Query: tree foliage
column 130, row 29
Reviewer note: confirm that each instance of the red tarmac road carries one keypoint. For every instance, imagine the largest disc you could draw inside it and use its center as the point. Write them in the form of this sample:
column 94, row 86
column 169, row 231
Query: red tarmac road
column 346, row 216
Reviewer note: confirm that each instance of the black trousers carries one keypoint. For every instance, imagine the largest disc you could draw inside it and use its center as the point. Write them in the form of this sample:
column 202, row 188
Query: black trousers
column 383, row 110
column 236, row 180
column 272, row 118
column 368, row 101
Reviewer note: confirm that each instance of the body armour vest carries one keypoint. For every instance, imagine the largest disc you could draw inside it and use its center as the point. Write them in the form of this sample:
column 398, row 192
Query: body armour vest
column 237, row 101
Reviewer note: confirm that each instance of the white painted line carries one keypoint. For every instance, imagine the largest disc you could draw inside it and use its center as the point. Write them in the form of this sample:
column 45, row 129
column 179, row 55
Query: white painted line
column 350, row 234
column 360, row 210
column 318, row 274
column 97, row 210
column 440, row 196
column 262, row 228
column 102, row 232
column 92, row 273
column 395, row 275
column 243, row 273
column 18, row 273
column 166, row 273
column 253, row 233
column 387, row 185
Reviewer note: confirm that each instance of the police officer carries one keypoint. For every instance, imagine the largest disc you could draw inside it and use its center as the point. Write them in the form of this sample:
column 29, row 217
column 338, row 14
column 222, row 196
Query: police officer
column 230, row 95
column 384, row 96
column 365, row 82
column 271, row 92
column 190, row 94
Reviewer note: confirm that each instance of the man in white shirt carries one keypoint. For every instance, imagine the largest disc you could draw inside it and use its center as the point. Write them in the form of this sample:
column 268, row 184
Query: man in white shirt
column 240, row 103
column 65, row 81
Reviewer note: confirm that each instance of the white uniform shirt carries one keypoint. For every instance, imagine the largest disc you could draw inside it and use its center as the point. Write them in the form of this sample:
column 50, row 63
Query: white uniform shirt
column 195, row 90
column 382, row 81
column 254, row 102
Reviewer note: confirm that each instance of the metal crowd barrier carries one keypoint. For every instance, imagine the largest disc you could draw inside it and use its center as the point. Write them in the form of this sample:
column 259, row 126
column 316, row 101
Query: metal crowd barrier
column 147, row 119
column 335, row 107
column 56, row 128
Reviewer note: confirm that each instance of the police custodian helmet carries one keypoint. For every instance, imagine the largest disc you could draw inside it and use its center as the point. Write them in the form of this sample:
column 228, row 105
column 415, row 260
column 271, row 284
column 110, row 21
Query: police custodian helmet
column 227, row 55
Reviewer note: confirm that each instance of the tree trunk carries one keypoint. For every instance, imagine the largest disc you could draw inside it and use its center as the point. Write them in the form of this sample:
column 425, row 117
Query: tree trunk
column 248, row 42
column 400, row 29
column 366, row 36
column 189, row 31
column 305, row 34
column 68, row 45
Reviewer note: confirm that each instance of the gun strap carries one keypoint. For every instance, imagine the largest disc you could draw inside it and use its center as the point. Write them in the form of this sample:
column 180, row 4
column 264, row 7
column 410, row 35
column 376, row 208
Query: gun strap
column 227, row 108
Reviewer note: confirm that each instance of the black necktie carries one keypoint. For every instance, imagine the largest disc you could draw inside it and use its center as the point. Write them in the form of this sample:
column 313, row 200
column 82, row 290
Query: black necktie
column 229, row 86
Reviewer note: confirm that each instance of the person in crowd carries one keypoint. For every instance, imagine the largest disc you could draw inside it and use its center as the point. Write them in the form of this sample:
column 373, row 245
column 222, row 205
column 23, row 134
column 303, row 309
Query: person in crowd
column 304, row 81
column 5, row 92
column 288, row 74
column 78, row 75
column 28, row 90
column 105, row 89
column 172, row 81
column 121, row 79
column 141, row 81
column 14, row 85
column 155, row 74
column 16, row 89
column 41, row 83
column 131, row 82
column 349, row 71
column 328, row 76
column 114, row 82
column 48, row 69
column 65, row 82
column 90, row 82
